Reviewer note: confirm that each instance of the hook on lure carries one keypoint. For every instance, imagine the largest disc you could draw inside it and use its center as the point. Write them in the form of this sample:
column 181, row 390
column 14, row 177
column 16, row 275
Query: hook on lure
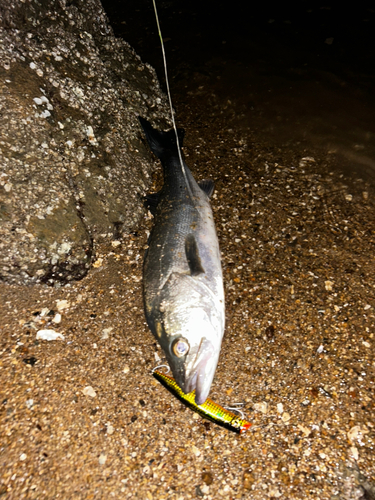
column 161, row 366
column 209, row 409
column 236, row 407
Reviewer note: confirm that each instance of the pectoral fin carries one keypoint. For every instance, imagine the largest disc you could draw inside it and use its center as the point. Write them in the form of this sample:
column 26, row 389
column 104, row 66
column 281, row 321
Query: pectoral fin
column 207, row 186
column 192, row 255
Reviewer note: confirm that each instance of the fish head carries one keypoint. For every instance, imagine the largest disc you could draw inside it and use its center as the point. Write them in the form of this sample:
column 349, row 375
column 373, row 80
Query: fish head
column 192, row 326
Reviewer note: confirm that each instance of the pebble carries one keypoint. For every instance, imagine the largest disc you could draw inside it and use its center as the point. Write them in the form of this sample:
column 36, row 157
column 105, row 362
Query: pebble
column 90, row 134
column 49, row 335
column 62, row 304
column 89, row 391
column 328, row 285
column 354, row 452
column 305, row 430
column 106, row 332
column 195, row 450
column 57, row 318
column 98, row 263
column 262, row 407
column 303, row 162
column 285, row 417
column 205, row 489
column 356, row 433
column 274, row 493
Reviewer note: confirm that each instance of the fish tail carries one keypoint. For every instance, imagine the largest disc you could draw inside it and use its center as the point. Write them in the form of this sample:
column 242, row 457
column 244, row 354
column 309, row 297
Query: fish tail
column 161, row 143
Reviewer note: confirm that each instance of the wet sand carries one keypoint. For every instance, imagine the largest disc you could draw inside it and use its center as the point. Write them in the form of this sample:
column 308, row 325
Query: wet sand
column 298, row 243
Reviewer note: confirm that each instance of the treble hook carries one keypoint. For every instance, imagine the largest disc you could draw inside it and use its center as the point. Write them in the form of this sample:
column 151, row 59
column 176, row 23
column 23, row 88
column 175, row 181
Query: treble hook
column 235, row 408
column 161, row 366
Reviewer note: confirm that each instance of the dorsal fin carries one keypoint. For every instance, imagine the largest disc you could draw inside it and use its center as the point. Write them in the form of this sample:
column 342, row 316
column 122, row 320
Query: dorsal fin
column 192, row 255
column 207, row 186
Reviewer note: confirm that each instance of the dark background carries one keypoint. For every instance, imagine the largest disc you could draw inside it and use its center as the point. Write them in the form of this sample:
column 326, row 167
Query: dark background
column 199, row 28
column 293, row 73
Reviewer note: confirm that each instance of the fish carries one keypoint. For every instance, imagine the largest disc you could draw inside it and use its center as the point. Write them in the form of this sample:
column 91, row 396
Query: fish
column 183, row 288
column 209, row 410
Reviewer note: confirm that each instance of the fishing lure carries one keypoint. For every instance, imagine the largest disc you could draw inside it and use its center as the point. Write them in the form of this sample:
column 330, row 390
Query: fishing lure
column 210, row 410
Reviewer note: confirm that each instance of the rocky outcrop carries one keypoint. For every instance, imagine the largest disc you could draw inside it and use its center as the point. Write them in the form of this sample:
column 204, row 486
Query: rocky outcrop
column 72, row 164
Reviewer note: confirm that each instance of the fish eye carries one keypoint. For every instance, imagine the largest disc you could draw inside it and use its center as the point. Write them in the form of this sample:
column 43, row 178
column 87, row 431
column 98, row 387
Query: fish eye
column 180, row 347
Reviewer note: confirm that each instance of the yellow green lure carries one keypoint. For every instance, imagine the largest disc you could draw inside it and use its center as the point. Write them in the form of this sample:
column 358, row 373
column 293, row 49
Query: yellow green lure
column 210, row 410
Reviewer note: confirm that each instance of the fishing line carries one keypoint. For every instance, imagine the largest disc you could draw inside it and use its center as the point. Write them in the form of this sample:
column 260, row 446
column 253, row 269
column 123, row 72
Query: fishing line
column 170, row 98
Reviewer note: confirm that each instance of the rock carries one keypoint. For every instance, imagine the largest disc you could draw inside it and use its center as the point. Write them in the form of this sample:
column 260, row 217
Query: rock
column 352, row 483
column 73, row 164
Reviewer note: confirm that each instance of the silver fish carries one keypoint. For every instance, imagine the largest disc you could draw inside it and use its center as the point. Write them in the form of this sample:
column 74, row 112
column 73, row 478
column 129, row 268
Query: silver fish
column 182, row 276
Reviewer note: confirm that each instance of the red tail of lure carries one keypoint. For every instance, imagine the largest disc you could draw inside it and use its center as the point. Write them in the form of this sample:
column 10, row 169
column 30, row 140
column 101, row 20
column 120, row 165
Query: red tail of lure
column 210, row 410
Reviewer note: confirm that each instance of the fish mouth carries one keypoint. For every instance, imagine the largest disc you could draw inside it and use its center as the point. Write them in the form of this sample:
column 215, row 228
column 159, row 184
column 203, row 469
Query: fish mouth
column 199, row 377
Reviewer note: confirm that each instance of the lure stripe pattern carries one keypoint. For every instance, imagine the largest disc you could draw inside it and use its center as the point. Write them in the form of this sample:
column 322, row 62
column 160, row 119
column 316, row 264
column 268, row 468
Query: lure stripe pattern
column 210, row 410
